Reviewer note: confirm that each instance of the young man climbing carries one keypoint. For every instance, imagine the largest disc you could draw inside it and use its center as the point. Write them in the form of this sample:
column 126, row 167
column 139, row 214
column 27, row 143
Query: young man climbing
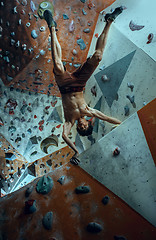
column 71, row 84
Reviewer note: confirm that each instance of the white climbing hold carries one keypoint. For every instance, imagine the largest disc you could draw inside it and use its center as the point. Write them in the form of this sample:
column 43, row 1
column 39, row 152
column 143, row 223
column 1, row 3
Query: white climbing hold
column 104, row 78
column 42, row 29
column 28, row 24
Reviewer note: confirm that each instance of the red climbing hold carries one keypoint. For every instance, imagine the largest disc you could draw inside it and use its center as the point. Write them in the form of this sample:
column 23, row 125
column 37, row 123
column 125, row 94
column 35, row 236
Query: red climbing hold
column 96, row 35
column 58, row 126
column 41, row 122
column 53, row 103
column 41, row 128
column 35, row 116
column 150, row 38
column 78, row 37
column 11, row 104
column 47, row 107
column 11, row 112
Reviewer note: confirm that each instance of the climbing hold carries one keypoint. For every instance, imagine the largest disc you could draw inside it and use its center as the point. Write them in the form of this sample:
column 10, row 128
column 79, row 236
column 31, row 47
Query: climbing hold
column 96, row 35
column 87, row 30
column 131, row 98
column 61, row 180
column 12, row 129
column 76, row 65
column 34, row 34
column 130, row 85
column 44, row 185
column 32, row 6
column 12, row 42
column 30, row 206
column 151, row 38
column 42, row 52
column 119, row 238
column 28, row 24
column 81, row 43
column 83, row 1
column 48, row 220
column 33, row 153
column 82, row 189
column 10, row 156
column 17, row 44
column 19, row 22
column 12, row 34
column 65, row 16
column 134, row 26
column 15, row 10
column 42, row 29
column 105, row 200
column 74, row 52
column 24, row 2
column 126, row 108
column 116, row 152
column 51, row 140
column 94, row 227
column 71, row 26
column 93, row 90
column 84, row 12
column 1, row 122
column 29, row 191
column 105, row 78
column 91, row 5
column 24, row 47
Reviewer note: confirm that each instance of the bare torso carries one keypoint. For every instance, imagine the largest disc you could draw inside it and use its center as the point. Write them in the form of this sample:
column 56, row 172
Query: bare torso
column 74, row 106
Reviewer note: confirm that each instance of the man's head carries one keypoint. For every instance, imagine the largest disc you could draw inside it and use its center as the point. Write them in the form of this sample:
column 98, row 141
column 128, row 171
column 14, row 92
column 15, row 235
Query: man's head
column 84, row 127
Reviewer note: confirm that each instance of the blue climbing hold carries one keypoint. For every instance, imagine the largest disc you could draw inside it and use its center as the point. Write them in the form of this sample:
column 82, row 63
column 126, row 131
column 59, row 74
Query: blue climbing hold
column 82, row 189
column 44, row 185
column 94, row 227
column 65, row 16
column 48, row 220
column 81, row 43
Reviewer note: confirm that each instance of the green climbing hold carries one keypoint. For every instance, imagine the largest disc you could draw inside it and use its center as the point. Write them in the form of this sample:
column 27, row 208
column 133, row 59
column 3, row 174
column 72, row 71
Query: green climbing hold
column 44, row 185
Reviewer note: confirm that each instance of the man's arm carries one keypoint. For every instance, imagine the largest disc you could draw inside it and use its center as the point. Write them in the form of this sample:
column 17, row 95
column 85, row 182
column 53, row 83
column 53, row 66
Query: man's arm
column 66, row 130
column 102, row 116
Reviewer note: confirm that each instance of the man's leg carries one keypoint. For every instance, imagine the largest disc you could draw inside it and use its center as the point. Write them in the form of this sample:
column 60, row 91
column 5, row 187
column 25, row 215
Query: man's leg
column 101, row 42
column 55, row 46
column 56, row 52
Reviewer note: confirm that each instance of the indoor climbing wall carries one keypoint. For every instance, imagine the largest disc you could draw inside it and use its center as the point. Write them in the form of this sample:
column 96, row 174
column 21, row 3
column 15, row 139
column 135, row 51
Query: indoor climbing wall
column 69, row 204
column 26, row 47
column 126, row 163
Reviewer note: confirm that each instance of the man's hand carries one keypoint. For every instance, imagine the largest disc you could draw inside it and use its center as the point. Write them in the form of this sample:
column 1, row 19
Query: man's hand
column 74, row 160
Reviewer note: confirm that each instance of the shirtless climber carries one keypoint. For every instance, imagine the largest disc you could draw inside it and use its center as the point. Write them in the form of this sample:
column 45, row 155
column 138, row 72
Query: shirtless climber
column 71, row 84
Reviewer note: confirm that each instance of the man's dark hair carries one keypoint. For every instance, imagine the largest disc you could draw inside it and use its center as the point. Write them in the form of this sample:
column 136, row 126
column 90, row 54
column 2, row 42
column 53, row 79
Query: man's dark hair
column 85, row 132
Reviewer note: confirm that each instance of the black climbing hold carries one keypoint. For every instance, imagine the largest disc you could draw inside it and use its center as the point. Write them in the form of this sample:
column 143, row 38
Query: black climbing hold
column 48, row 220
column 119, row 238
column 82, row 189
column 44, row 185
column 61, row 180
column 29, row 191
column 126, row 108
column 105, row 200
column 131, row 98
column 30, row 206
column 94, row 227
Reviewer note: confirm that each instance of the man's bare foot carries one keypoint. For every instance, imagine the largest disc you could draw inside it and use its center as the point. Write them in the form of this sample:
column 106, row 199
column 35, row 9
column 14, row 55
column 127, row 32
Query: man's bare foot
column 74, row 160
column 112, row 16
